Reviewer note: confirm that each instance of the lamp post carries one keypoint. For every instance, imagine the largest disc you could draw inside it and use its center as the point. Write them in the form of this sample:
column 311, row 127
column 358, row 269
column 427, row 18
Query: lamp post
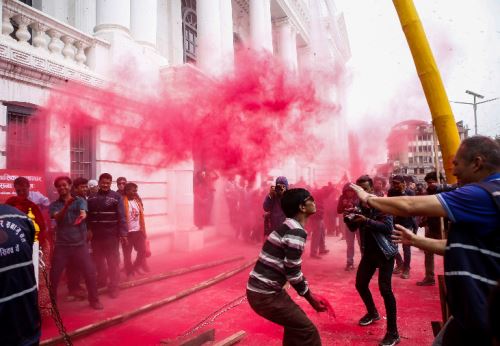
column 474, row 105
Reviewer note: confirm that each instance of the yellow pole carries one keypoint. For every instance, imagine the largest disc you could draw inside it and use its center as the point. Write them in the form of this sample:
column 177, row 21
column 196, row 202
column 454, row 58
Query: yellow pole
column 430, row 78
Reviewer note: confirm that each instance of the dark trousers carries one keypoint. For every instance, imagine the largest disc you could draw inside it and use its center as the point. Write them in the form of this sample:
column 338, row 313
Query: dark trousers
column 135, row 240
column 281, row 309
column 80, row 256
column 107, row 259
column 367, row 267
column 318, row 238
column 429, row 256
column 74, row 276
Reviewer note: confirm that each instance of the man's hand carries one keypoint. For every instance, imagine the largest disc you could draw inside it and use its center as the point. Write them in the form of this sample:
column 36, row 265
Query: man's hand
column 362, row 194
column 403, row 235
column 359, row 219
column 124, row 241
column 317, row 304
column 272, row 191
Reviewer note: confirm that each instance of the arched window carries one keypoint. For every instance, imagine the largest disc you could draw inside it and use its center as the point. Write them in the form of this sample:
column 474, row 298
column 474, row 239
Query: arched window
column 189, row 30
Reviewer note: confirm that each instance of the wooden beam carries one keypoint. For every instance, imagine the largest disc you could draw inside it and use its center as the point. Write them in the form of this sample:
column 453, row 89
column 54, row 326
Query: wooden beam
column 196, row 340
column 233, row 339
column 111, row 321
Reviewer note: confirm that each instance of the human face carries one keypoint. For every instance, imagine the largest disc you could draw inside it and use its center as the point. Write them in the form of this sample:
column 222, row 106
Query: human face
column 105, row 184
column 431, row 184
column 366, row 186
column 377, row 185
column 22, row 190
column 82, row 190
column 309, row 206
column 63, row 188
column 121, row 184
column 131, row 193
column 463, row 170
column 398, row 185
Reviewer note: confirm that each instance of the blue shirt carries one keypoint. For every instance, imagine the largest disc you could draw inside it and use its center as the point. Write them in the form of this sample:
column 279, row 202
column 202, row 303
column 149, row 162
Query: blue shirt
column 472, row 255
column 472, row 204
column 67, row 233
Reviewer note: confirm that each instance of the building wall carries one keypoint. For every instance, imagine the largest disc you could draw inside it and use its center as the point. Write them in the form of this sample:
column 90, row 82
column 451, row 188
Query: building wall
column 28, row 73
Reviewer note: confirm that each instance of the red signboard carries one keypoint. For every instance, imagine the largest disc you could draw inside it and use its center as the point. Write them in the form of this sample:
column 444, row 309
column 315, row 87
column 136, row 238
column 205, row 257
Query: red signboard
column 7, row 177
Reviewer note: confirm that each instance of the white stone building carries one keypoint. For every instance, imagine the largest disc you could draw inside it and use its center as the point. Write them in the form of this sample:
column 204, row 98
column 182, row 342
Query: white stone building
column 44, row 42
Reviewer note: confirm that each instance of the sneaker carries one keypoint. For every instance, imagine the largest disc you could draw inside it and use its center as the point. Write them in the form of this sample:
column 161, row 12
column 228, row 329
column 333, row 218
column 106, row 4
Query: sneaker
column 349, row 268
column 405, row 274
column 96, row 305
column 390, row 339
column 398, row 270
column 369, row 319
column 426, row 282
column 324, row 252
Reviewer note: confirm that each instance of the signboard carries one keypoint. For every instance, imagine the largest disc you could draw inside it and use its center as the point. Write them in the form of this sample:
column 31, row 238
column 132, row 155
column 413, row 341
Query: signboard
column 7, row 177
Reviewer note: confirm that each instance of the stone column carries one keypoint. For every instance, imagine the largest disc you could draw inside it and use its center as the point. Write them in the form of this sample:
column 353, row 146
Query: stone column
column 143, row 19
column 85, row 15
column 287, row 43
column 208, row 55
column 113, row 15
column 261, row 35
column 227, row 44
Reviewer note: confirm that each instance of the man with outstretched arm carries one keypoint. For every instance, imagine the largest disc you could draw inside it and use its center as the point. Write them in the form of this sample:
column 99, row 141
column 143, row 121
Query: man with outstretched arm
column 280, row 262
column 472, row 251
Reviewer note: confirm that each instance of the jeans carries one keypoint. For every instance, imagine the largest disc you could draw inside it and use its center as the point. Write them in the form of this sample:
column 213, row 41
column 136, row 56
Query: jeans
column 107, row 259
column 78, row 255
column 136, row 240
column 406, row 260
column 349, row 238
column 281, row 309
column 367, row 267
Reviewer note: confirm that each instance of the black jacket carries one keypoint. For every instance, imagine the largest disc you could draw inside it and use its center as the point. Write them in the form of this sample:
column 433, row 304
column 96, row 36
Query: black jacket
column 106, row 216
column 379, row 226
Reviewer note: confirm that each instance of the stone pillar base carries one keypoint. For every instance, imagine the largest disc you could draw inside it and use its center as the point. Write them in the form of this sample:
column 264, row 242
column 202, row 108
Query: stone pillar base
column 189, row 240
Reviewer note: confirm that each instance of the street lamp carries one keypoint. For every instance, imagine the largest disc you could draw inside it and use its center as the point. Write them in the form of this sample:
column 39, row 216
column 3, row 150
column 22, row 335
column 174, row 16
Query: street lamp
column 474, row 105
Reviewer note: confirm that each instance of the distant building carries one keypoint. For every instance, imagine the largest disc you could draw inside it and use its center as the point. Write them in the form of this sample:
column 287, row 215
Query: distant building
column 411, row 151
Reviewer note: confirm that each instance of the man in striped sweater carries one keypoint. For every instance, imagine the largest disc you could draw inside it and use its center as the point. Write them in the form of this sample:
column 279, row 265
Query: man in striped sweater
column 280, row 262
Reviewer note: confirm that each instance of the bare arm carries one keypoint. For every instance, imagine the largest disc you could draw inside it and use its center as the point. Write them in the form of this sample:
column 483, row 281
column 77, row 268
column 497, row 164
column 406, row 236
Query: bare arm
column 404, row 236
column 403, row 205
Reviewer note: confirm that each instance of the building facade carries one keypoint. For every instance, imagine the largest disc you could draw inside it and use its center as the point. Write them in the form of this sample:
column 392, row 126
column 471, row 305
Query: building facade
column 46, row 42
column 411, row 149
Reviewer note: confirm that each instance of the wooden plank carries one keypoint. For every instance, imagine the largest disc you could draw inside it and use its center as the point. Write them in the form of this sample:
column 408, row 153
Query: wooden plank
column 233, row 339
column 445, row 312
column 111, row 321
column 170, row 274
column 196, row 340
column 436, row 327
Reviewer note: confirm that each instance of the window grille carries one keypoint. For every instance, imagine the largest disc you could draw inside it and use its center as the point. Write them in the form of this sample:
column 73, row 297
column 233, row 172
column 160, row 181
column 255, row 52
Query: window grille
column 189, row 30
column 81, row 152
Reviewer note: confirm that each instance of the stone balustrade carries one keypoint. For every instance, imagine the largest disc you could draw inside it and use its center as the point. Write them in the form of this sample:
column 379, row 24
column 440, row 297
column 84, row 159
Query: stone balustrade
column 36, row 39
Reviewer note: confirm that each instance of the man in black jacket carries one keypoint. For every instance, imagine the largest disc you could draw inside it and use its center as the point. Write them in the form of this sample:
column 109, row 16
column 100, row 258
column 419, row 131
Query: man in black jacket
column 108, row 226
column 378, row 252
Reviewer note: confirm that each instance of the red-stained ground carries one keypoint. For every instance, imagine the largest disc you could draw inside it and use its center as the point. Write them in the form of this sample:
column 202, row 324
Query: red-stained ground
column 417, row 306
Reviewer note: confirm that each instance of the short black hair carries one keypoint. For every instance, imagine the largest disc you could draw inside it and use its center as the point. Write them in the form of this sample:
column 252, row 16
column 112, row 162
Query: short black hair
column 398, row 177
column 80, row 181
column 62, row 177
column 379, row 178
column 120, row 179
column 21, row 181
column 106, row 176
column 363, row 179
column 483, row 146
column 292, row 199
column 433, row 176
column 129, row 186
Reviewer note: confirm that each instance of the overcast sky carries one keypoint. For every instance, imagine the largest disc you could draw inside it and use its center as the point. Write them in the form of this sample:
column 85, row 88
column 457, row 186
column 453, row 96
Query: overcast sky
column 465, row 39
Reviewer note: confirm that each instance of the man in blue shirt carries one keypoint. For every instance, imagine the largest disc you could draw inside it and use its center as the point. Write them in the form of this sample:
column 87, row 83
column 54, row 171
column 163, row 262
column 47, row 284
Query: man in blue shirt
column 472, row 251
column 71, row 239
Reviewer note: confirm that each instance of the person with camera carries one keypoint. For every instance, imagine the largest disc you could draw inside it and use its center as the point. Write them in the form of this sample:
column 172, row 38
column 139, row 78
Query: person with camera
column 378, row 252
column 280, row 261
column 347, row 201
column 472, row 250
column 398, row 188
column 272, row 204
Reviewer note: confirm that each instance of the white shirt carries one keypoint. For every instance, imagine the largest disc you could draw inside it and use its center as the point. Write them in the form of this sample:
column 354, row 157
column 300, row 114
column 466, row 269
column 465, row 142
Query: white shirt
column 133, row 216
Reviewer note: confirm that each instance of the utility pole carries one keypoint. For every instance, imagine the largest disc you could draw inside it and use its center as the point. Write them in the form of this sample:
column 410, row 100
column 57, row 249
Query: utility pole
column 474, row 105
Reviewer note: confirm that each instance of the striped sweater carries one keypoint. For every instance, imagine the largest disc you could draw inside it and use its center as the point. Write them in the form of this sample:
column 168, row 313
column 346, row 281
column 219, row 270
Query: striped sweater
column 280, row 261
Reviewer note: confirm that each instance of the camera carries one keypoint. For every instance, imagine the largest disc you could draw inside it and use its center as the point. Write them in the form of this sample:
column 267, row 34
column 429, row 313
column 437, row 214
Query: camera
column 349, row 217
